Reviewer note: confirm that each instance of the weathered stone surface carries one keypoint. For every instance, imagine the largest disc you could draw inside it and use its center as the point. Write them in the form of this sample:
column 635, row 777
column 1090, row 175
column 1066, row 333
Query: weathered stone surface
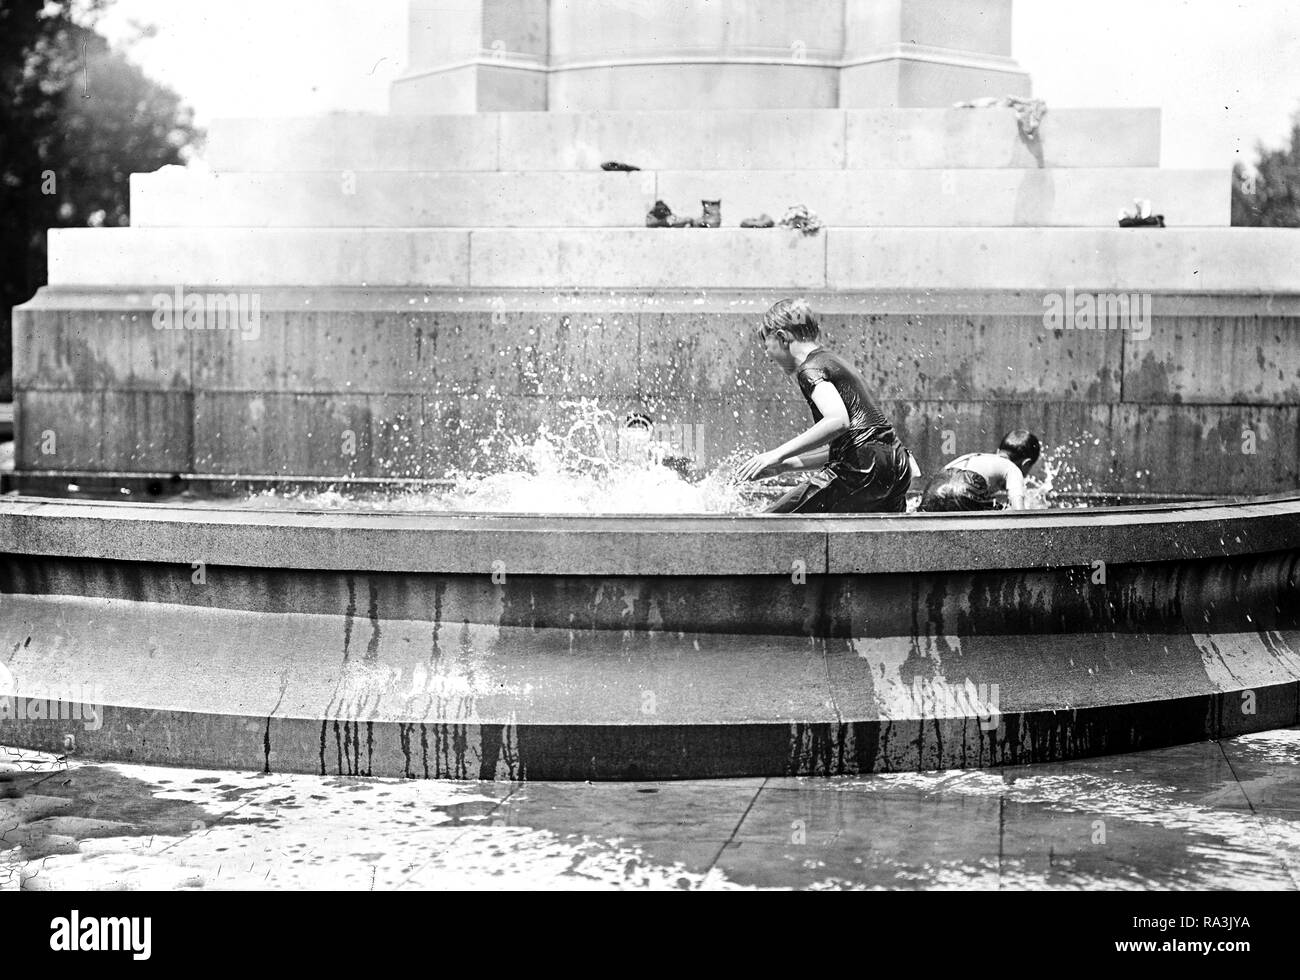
column 647, row 258
column 355, row 142
column 954, row 372
column 228, row 258
column 178, row 198
column 312, row 693
column 105, row 431
column 1043, row 260
column 924, row 138
column 551, row 545
column 856, row 139
column 1056, row 259
column 1217, row 360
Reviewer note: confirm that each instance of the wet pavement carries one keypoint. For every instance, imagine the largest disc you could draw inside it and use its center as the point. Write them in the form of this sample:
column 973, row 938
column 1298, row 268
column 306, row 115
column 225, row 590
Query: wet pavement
column 1205, row 816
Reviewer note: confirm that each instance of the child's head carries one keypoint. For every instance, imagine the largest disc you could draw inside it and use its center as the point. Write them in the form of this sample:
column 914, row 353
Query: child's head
column 793, row 317
column 788, row 321
column 1021, row 447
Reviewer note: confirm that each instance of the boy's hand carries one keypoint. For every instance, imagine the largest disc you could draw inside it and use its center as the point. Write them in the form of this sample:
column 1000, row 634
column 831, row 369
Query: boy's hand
column 760, row 466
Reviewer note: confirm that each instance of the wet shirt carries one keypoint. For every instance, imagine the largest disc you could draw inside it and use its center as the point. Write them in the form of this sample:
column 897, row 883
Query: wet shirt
column 867, row 423
column 998, row 471
column 995, row 470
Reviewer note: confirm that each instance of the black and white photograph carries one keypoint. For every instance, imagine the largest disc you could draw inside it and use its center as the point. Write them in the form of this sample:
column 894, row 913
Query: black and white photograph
column 650, row 445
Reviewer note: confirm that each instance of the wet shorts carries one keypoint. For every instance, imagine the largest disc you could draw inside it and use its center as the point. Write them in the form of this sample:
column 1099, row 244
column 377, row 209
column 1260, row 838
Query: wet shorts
column 956, row 490
column 879, row 489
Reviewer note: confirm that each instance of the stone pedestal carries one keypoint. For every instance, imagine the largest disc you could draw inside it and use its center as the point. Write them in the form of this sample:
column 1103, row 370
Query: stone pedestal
column 475, row 56
column 580, row 55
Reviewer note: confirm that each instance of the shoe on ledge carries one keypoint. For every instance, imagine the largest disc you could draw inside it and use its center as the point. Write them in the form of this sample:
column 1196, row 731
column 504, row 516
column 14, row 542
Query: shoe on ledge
column 659, row 216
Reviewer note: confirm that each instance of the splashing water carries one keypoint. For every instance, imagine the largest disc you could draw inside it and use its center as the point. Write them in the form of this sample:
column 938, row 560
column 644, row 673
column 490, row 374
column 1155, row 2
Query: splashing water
column 592, row 464
column 1039, row 490
column 580, row 472
column 1064, row 470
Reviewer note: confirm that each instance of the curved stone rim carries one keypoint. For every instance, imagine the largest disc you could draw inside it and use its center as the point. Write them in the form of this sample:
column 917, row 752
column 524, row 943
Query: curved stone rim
column 396, row 749
column 680, row 545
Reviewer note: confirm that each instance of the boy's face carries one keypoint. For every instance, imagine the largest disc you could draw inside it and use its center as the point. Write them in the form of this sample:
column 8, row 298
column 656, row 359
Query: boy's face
column 777, row 347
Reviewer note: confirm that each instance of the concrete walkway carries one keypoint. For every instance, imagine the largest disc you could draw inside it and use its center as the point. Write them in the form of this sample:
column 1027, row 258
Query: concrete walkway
column 1214, row 815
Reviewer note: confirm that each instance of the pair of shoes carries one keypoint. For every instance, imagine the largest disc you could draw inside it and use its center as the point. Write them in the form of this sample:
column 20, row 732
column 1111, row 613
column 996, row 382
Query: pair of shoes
column 661, row 216
column 615, row 165
column 762, row 221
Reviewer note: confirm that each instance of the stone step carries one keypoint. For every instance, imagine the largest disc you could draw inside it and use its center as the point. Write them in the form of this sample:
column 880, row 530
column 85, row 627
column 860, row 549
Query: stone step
column 1047, row 259
column 176, row 197
column 957, row 197
column 279, row 692
column 853, row 139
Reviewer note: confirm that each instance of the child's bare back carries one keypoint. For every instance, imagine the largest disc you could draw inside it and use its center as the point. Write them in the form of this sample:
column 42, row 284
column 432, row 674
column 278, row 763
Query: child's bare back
column 969, row 482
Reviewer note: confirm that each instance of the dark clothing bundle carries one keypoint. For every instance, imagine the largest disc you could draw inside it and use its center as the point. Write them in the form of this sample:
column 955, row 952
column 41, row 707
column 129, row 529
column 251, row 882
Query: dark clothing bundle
column 951, row 491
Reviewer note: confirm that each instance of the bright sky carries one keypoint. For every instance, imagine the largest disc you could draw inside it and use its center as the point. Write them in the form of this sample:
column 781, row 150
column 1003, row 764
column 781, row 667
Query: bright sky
column 1225, row 72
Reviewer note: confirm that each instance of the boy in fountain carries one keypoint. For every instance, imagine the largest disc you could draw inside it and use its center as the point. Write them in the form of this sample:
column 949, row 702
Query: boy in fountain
column 860, row 466
column 969, row 482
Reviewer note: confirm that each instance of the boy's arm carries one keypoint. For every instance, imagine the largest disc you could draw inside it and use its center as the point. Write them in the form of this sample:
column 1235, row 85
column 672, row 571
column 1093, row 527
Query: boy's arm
column 835, row 419
column 1015, row 486
column 814, row 460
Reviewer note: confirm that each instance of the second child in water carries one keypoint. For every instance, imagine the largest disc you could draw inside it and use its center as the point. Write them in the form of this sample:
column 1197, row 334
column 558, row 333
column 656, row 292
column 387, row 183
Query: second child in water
column 970, row 482
column 858, row 464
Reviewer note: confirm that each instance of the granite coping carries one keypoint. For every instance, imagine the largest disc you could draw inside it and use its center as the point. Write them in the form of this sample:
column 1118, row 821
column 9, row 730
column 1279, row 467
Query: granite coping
column 743, row 302
column 442, row 543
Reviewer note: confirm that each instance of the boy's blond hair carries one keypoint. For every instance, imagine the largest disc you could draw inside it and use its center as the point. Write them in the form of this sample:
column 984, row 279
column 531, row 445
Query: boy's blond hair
column 794, row 316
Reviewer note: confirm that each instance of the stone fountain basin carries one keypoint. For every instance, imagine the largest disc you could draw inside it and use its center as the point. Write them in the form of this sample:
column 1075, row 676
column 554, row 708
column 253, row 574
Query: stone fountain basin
column 527, row 647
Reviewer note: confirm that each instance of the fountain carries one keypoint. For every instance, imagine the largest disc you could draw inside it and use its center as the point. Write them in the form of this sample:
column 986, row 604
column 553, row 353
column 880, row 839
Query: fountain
column 380, row 307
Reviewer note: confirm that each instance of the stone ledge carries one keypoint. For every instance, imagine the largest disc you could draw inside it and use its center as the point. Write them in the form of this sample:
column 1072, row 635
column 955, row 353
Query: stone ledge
column 1008, row 197
column 676, row 546
column 1182, row 260
column 751, row 302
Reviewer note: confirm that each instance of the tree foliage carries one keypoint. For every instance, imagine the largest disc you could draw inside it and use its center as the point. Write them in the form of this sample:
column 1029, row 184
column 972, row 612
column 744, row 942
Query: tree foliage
column 1269, row 196
column 76, row 120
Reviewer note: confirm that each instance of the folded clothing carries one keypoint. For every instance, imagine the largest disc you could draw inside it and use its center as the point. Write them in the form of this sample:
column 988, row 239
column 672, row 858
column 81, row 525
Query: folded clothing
column 801, row 219
column 1141, row 216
